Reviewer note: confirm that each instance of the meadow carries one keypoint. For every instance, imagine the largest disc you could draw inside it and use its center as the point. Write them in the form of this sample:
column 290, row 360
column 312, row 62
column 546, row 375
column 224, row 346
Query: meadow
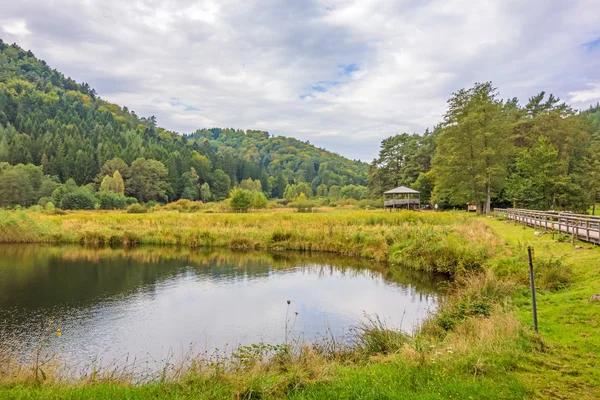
column 442, row 242
column 479, row 345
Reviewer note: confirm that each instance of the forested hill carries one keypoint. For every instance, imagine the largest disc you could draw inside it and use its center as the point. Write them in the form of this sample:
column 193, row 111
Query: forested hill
column 49, row 120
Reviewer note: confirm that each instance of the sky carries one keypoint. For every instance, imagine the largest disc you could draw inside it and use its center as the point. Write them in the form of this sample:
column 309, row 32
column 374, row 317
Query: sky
column 341, row 74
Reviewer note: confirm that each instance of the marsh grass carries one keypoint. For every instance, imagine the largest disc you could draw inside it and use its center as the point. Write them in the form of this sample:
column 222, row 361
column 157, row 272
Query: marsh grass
column 443, row 242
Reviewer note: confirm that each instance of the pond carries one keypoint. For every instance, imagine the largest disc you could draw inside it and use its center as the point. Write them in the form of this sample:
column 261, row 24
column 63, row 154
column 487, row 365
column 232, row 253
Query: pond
column 149, row 304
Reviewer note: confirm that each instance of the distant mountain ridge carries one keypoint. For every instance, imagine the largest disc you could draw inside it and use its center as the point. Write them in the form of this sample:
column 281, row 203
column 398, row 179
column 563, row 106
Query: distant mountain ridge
column 50, row 120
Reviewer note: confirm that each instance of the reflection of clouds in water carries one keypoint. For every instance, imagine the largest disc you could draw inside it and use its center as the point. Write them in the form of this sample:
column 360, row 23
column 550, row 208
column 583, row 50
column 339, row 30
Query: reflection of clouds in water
column 171, row 306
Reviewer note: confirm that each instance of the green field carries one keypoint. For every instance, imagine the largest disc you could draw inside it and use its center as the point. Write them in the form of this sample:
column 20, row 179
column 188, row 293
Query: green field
column 480, row 344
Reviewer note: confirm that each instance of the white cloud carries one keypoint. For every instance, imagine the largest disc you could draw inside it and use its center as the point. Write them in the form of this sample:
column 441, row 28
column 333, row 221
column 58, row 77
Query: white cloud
column 586, row 96
column 283, row 66
column 16, row 27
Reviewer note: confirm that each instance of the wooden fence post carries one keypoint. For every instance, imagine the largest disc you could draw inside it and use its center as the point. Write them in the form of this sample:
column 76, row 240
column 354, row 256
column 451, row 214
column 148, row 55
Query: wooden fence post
column 532, row 280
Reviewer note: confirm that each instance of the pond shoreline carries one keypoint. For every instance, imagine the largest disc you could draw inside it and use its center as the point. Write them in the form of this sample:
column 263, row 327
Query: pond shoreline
column 461, row 242
column 478, row 345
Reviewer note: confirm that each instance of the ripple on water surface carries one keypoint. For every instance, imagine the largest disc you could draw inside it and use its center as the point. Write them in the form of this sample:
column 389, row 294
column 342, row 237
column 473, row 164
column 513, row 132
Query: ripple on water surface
column 148, row 303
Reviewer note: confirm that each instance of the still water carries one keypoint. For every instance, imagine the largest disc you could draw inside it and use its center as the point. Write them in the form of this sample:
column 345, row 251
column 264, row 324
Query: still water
column 152, row 303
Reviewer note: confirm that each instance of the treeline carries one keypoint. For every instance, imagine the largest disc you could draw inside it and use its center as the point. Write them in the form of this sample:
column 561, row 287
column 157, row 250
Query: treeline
column 493, row 152
column 53, row 122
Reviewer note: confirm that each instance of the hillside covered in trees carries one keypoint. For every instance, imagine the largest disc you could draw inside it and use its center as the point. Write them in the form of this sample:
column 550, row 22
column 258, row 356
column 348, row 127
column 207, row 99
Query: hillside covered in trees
column 488, row 151
column 55, row 132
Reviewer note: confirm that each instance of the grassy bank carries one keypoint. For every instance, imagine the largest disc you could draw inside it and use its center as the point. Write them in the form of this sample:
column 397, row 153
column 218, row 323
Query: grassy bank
column 444, row 242
column 479, row 345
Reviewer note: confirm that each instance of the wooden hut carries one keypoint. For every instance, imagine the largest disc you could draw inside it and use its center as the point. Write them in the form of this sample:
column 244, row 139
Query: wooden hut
column 402, row 198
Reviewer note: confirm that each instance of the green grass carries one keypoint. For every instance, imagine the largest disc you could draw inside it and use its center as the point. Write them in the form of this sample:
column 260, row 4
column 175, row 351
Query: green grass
column 366, row 234
column 568, row 322
column 480, row 344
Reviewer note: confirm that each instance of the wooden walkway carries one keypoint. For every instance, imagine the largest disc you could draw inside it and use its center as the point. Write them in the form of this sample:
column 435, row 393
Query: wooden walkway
column 583, row 227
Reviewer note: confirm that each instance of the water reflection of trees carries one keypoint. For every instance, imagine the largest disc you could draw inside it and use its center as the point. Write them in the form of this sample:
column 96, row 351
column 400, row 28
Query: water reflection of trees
column 38, row 277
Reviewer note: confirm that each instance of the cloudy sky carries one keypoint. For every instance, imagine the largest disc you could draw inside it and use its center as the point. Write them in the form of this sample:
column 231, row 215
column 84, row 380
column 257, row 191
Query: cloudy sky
column 341, row 74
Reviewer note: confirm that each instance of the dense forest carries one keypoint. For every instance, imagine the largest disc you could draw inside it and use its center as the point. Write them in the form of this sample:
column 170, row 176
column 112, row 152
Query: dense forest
column 57, row 137
column 493, row 152
column 61, row 143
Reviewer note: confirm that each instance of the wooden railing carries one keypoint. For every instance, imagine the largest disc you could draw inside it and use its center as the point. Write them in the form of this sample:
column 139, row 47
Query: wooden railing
column 582, row 227
column 400, row 202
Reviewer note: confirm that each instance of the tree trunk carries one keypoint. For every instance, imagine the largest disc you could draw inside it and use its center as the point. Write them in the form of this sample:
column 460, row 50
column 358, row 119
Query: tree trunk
column 488, row 201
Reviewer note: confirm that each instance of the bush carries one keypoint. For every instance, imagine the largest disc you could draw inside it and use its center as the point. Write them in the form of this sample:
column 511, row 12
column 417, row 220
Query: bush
column 240, row 199
column 302, row 204
column 374, row 336
column 112, row 201
column 152, row 204
column 80, row 199
column 552, row 274
column 130, row 200
column 136, row 209
column 44, row 200
column 368, row 203
column 49, row 207
column 184, row 205
column 259, row 200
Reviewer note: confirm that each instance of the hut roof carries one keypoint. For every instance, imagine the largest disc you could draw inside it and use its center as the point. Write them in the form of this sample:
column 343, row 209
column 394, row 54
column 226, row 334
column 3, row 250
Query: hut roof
column 402, row 190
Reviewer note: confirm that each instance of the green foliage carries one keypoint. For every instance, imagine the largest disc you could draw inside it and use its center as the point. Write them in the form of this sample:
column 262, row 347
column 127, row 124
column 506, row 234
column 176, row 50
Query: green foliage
column 240, row 199
column 113, row 184
column 148, row 180
column 220, row 184
column 205, row 193
column 79, row 199
column 15, row 188
column 354, row 192
column 292, row 192
column 136, row 209
column 302, row 204
column 434, row 249
column 190, row 185
column 259, row 200
column 48, row 120
column 401, row 160
column 473, row 148
column 541, row 155
column 112, row 201
column 373, row 336
column 251, row 185
column 424, row 185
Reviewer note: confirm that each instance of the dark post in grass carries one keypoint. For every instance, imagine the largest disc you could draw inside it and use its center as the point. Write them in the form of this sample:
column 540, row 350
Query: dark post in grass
column 532, row 280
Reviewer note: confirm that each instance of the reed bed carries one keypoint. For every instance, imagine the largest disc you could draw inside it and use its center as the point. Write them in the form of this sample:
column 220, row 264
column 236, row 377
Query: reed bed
column 454, row 242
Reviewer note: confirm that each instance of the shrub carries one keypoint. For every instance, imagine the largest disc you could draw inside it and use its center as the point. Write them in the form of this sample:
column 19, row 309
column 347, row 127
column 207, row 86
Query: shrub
column 552, row 274
column 280, row 236
column 136, row 209
column 152, row 204
column 259, row 200
column 184, row 205
column 36, row 208
column 374, row 336
column 44, row 200
column 112, row 201
column 240, row 199
column 80, row 199
column 302, row 204
column 130, row 200
column 49, row 207
column 368, row 203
